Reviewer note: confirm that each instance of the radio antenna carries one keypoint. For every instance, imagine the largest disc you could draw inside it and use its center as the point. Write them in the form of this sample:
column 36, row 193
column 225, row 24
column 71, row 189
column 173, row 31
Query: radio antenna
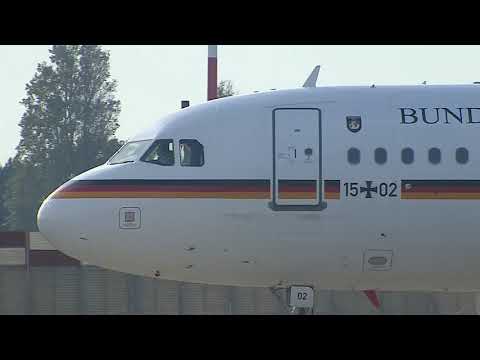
column 312, row 79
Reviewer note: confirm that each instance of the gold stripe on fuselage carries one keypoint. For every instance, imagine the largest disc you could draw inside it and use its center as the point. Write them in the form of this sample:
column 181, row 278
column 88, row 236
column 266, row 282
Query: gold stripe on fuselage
column 440, row 196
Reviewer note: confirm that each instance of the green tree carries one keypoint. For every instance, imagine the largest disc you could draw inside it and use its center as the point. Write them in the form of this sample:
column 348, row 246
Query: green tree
column 97, row 108
column 23, row 196
column 225, row 88
column 69, row 123
column 4, row 171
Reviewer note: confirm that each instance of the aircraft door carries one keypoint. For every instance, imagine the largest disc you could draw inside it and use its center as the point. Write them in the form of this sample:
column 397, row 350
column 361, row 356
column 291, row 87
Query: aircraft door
column 297, row 159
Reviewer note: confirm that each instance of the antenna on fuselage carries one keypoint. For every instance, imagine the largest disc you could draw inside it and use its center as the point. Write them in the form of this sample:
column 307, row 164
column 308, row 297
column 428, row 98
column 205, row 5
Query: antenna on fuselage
column 212, row 90
column 312, row 79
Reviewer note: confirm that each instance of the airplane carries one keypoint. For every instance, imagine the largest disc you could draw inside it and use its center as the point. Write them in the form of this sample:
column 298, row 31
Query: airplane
column 363, row 188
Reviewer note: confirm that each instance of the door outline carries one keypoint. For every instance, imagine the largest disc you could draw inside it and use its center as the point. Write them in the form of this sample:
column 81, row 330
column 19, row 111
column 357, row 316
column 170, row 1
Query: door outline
column 321, row 204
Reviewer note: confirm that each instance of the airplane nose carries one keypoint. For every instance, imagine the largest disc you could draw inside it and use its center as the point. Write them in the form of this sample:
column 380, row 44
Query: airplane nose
column 57, row 223
column 41, row 217
column 69, row 225
column 50, row 226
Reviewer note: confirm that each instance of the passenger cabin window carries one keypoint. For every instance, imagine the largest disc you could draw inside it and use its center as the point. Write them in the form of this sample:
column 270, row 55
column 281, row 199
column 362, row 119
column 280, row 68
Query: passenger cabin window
column 380, row 156
column 353, row 156
column 191, row 153
column 461, row 155
column 434, row 156
column 160, row 153
column 130, row 152
column 408, row 156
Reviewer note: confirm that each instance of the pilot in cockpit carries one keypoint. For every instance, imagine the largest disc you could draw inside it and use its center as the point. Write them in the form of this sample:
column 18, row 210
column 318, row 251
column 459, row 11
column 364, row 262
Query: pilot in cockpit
column 162, row 153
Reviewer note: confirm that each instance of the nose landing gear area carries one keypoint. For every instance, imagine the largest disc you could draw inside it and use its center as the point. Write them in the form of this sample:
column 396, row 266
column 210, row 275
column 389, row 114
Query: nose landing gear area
column 300, row 300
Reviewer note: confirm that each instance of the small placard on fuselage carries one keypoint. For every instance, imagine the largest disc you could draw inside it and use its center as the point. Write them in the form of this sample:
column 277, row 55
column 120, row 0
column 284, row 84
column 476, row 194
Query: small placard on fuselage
column 301, row 296
column 130, row 218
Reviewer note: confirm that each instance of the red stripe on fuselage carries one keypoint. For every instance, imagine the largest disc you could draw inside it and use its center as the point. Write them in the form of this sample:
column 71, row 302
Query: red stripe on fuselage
column 166, row 188
column 297, row 189
column 443, row 189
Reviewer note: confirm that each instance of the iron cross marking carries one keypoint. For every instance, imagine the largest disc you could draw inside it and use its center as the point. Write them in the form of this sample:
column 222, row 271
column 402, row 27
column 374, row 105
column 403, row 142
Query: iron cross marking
column 369, row 189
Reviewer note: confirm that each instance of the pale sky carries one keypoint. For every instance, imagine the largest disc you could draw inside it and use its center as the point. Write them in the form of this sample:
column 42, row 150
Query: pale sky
column 153, row 79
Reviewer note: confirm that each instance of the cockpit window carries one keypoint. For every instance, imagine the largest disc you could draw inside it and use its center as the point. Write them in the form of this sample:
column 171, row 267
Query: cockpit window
column 160, row 153
column 191, row 153
column 130, row 152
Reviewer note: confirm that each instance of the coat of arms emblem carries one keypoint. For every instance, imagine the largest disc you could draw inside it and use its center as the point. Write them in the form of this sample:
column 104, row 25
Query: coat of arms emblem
column 354, row 123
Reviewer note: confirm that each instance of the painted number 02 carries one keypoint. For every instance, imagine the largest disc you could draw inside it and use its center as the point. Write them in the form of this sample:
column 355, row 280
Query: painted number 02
column 302, row 296
column 387, row 190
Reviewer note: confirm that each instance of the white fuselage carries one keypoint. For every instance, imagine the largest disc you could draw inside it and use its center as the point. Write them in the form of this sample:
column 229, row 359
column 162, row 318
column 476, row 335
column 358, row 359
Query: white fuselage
column 295, row 210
